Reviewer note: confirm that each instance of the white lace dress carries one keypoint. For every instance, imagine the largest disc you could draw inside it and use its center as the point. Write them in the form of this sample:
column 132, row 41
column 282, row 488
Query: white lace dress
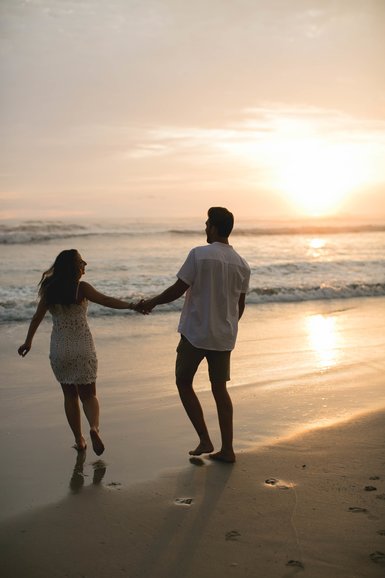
column 72, row 352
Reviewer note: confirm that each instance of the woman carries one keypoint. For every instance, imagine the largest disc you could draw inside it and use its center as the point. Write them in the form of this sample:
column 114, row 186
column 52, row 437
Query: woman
column 72, row 351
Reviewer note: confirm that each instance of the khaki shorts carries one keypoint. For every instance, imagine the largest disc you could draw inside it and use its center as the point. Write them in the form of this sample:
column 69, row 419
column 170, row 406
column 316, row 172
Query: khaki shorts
column 189, row 357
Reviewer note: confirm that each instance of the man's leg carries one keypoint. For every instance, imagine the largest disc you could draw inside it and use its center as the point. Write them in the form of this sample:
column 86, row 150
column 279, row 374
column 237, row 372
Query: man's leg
column 187, row 363
column 219, row 372
column 225, row 418
column 194, row 411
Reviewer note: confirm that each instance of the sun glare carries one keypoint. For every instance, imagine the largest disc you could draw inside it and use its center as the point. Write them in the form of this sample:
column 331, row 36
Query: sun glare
column 315, row 165
column 317, row 176
column 314, row 171
column 317, row 243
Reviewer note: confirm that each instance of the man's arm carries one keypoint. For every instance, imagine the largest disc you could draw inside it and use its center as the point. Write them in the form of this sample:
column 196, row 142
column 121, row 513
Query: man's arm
column 241, row 304
column 170, row 294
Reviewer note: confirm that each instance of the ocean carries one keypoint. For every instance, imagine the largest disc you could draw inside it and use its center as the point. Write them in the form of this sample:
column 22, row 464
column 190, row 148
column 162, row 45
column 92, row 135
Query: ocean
column 289, row 262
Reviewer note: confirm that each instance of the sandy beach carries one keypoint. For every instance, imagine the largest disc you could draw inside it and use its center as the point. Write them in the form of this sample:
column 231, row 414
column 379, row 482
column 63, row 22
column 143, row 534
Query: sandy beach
column 312, row 506
column 307, row 386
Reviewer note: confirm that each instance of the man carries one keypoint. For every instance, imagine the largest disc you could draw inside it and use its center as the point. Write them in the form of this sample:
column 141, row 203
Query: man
column 215, row 279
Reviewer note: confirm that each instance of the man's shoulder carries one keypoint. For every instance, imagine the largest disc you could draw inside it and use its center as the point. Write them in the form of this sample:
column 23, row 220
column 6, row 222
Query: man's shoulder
column 219, row 251
column 241, row 259
column 209, row 251
column 201, row 250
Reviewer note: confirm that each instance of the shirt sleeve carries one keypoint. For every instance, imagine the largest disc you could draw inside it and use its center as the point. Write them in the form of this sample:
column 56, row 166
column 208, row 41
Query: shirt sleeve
column 246, row 281
column 187, row 272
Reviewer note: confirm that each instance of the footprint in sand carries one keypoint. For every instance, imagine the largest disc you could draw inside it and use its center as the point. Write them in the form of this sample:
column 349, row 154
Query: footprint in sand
column 374, row 478
column 378, row 557
column 357, row 510
column 295, row 563
column 271, row 481
column 232, row 535
column 381, row 497
column 370, row 489
column 183, row 501
column 381, row 532
column 276, row 483
column 114, row 485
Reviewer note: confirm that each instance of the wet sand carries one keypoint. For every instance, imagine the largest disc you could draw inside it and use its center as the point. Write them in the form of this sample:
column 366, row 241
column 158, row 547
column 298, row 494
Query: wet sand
column 296, row 368
column 311, row 506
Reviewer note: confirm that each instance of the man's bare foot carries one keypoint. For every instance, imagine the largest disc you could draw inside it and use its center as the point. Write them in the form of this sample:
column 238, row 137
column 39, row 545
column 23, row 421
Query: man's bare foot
column 97, row 444
column 80, row 445
column 227, row 457
column 202, row 448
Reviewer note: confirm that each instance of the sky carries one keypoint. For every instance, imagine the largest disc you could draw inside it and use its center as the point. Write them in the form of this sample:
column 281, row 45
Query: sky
column 161, row 108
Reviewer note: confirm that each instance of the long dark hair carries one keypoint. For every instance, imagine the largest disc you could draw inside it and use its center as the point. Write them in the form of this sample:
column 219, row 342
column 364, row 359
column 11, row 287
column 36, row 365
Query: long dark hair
column 59, row 283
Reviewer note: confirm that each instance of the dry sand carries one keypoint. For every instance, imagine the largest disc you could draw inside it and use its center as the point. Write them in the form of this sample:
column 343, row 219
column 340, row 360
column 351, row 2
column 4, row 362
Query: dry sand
column 311, row 506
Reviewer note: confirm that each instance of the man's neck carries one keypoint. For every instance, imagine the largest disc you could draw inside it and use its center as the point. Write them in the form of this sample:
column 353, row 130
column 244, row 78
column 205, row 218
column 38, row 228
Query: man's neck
column 223, row 240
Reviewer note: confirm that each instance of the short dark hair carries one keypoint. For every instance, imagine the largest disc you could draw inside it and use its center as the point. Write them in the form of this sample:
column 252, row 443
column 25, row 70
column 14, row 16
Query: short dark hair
column 222, row 219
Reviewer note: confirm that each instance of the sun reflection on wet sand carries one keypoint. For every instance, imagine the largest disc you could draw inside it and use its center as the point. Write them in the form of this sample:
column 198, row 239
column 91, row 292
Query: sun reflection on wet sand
column 323, row 338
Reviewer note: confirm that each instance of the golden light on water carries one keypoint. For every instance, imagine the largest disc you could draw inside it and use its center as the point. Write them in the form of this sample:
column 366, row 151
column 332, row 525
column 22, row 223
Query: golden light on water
column 323, row 339
column 316, row 247
column 317, row 243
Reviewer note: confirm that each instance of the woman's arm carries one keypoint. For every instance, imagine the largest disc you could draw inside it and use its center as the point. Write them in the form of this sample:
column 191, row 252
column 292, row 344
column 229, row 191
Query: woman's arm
column 87, row 291
column 38, row 317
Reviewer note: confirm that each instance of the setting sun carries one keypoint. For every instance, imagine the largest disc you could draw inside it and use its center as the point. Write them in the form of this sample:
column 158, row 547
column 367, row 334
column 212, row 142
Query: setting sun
column 317, row 176
column 314, row 171
column 317, row 162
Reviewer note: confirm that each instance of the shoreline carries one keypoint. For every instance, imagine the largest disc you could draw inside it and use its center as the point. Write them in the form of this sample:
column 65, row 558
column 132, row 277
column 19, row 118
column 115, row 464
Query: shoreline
column 298, row 505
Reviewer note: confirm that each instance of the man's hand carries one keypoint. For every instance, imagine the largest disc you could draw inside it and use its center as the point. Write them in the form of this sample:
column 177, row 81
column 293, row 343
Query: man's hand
column 144, row 306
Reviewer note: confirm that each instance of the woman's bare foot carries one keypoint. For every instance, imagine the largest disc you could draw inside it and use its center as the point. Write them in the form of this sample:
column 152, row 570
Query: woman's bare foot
column 80, row 445
column 227, row 457
column 202, row 448
column 97, row 444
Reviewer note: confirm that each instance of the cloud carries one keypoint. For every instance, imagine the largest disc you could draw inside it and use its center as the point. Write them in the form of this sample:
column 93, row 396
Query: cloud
column 257, row 128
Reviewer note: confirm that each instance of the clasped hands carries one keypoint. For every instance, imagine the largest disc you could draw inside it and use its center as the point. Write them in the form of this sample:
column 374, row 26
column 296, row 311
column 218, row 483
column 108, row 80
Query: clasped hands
column 144, row 306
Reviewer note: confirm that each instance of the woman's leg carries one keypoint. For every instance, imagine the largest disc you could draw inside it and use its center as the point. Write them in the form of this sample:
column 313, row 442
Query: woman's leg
column 72, row 411
column 87, row 394
column 90, row 403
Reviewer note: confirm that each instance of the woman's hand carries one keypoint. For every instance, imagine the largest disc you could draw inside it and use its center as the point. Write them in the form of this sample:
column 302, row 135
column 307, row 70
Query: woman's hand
column 23, row 349
column 144, row 307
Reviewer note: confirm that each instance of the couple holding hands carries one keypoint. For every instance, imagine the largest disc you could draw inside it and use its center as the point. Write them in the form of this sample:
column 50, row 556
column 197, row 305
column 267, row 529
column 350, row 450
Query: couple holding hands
column 214, row 279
